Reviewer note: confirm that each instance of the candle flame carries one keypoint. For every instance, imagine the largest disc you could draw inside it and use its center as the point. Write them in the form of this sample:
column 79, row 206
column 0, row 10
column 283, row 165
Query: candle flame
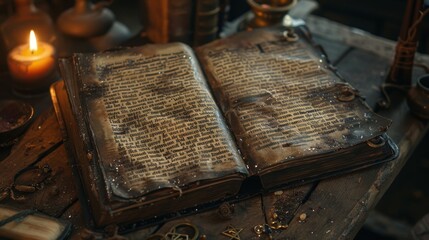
column 33, row 41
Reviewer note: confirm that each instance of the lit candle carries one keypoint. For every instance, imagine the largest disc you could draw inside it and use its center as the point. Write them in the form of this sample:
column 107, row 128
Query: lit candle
column 32, row 65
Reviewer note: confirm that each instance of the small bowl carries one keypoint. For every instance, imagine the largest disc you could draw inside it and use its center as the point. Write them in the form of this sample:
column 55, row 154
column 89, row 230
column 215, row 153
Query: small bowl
column 418, row 97
column 15, row 117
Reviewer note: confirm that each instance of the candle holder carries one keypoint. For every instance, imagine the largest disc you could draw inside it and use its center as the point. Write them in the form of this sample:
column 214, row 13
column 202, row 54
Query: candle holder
column 32, row 67
column 31, row 73
column 268, row 12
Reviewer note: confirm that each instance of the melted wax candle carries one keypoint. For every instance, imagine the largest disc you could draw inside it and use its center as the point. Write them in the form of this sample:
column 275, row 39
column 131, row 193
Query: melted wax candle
column 32, row 65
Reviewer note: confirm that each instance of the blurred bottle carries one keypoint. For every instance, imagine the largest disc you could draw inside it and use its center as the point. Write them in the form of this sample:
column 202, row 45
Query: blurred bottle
column 27, row 17
column 6, row 9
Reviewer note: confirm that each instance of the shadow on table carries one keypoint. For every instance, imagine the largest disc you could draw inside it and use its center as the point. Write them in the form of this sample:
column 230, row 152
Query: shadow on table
column 405, row 202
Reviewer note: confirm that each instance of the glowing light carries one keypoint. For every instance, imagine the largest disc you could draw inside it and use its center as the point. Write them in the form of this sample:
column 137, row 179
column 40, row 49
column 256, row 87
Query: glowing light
column 33, row 41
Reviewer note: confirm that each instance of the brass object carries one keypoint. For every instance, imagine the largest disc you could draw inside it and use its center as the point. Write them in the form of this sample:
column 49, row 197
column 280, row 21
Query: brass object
column 180, row 232
column 177, row 236
column 180, row 228
column 263, row 229
column 269, row 12
column 277, row 225
column 232, row 232
column 376, row 142
column 346, row 94
column 275, row 215
column 258, row 229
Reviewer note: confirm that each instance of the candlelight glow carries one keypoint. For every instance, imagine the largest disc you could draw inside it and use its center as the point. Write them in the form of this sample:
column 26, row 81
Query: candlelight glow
column 33, row 41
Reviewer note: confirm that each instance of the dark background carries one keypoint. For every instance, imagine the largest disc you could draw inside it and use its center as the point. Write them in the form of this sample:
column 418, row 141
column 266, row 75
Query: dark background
column 407, row 200
column 380, row 17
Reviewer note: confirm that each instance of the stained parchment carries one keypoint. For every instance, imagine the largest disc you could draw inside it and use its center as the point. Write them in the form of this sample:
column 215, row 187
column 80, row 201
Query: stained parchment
column 282, row 101
column 154, row 120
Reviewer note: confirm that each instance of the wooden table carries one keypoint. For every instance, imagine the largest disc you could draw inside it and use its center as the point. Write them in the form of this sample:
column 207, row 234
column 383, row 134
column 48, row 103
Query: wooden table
column 334, row 208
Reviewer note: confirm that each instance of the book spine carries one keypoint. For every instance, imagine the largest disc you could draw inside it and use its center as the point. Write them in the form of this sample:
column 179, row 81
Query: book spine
column 168, row 20
column 180, row 20
column 206, row 21
column 156, row 20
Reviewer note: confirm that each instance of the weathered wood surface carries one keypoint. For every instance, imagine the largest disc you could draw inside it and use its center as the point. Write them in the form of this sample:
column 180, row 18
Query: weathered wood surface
column 36, row 143
column 337, row 207
column 57, row 192
column 40, row 147
column 334, row 208
column 246, row 214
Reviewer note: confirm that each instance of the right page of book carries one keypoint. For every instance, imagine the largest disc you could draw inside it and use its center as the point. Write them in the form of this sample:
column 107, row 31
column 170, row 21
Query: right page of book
column 282, row 100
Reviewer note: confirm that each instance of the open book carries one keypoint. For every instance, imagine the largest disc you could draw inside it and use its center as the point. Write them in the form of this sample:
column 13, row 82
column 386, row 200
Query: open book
column 151, row 133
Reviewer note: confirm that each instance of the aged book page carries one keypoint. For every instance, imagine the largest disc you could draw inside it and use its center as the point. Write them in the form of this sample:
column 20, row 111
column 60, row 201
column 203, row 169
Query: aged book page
column 282, row 101
column 33, row 226
column 154, row 120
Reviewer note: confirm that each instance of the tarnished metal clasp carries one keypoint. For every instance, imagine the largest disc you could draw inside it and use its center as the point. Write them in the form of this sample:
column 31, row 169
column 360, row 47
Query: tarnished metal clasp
column 376, row 142
column 183, row 231
column 346, row 94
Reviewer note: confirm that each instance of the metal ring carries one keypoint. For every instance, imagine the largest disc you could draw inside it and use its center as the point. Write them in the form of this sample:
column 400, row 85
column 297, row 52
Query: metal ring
column 259, row 229
column 275, row 225
column 376, row 142
column 290, row 36
column 175, row 228
column 346, row 94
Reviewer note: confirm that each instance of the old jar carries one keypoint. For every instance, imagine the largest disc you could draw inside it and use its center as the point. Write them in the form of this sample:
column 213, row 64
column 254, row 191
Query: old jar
column 418, row 97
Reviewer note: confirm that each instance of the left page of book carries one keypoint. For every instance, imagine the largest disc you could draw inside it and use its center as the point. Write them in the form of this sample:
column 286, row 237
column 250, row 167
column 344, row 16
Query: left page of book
column 153, row 121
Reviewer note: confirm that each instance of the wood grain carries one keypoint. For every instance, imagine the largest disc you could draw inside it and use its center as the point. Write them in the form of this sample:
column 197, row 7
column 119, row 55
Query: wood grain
column 57, row 192
column 246, row 215
column 344, row 202
column 37, row 142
